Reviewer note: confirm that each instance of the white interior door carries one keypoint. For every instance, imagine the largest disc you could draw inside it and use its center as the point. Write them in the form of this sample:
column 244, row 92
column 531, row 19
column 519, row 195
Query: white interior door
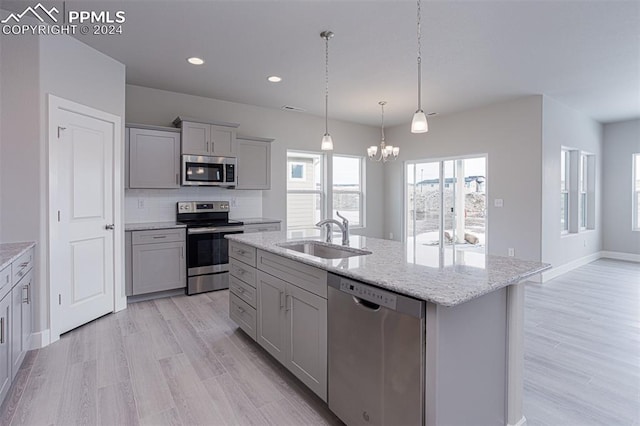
column 82, row 236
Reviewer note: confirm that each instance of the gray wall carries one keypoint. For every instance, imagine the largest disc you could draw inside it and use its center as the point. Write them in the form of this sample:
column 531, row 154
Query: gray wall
column 32, row 68
column 290, row 130
column 620, row 141
column 510, row 133
column 563, row 126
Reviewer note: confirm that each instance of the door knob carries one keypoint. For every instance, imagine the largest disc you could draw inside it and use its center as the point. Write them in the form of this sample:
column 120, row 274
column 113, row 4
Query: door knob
column 109, row 227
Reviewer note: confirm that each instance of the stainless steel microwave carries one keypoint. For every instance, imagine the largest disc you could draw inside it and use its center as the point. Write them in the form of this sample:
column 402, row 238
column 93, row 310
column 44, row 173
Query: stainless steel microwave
column 200, row 170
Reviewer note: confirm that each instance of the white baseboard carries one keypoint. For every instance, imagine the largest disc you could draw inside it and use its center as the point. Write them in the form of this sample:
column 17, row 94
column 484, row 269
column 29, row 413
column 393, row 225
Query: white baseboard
column 521, row 422
column 40, row 339
column 630, row 257
column 562, row 269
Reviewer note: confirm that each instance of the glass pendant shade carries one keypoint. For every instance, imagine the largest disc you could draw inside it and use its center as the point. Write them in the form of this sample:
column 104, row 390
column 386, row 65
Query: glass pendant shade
column 372, row 151
column 327, row 142
column 419, row 123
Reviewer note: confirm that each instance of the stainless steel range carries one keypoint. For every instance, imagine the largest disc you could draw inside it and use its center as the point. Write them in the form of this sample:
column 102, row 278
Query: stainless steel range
column 207, row 249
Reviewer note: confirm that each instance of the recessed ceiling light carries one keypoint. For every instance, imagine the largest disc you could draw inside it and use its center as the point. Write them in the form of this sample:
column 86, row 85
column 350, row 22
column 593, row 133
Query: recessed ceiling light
column 195, row 60
column 274, row 79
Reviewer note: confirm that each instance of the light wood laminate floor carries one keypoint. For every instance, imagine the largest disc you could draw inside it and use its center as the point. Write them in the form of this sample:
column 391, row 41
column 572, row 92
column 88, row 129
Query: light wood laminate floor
column 181, row 360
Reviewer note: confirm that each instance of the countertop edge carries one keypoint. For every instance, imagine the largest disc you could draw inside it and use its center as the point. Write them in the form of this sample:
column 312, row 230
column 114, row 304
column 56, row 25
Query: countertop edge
column 22, row 247
column 148, row 226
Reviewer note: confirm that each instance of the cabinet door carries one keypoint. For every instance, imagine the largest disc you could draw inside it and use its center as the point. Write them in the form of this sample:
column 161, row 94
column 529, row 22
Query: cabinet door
column 154, row 159
column 27, row 312
column 196, row 138
column 17, row 349
column 271, row 315
column 254, row 164
column 158, row 267
column 223, row 141
column 307, row 338
column 5, row 346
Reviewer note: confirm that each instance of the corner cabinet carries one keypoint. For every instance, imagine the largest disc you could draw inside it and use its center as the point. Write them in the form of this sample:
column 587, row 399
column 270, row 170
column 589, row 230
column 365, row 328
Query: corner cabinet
column 254, row 162
column 215, row 139
column 153, row 157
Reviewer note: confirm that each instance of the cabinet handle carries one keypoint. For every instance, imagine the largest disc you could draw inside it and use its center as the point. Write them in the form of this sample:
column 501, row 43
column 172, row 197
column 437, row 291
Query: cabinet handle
column 157, row 237
column 24, row 264
column 241, row 271
column 287, row 305
column 177, row 178
column 207, row 146
column 241, row 252
column 241, row 290
column 7, row 280
column 2, row 330
column 181, row 253
column 25, row 299
column 282, row 299
column 241, row 309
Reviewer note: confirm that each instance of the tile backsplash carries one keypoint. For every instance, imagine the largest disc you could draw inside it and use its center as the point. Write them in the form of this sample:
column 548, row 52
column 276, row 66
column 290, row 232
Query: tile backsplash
column 159, row 205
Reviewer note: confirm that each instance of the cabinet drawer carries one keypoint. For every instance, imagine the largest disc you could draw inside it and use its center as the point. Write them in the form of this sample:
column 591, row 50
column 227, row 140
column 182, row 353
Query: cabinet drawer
column 242, row 252
column 304, row 276
column 158, row 236
column 243, row 290
column 5, row 277
column 243, row 315
column 261, row 227
column 242, row 271
column 22, row 265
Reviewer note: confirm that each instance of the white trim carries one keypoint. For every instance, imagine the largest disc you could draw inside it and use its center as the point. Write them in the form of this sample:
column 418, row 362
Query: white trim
column 39, row 339
column 630, row 257
column 569, row 266
column 521, row 422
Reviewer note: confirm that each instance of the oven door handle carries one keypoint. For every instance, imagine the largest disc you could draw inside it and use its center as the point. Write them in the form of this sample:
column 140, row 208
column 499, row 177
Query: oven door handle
column 222, row 229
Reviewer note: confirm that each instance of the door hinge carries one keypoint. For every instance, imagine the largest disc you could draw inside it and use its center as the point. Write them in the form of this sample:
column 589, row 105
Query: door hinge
column 60, row 128
column 59, row 299
column 58, row 215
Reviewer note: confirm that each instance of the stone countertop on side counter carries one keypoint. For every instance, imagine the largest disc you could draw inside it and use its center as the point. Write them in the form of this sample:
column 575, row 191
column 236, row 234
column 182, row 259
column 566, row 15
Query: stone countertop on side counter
column 423, row 272
column 147, row 226
column 11, row 251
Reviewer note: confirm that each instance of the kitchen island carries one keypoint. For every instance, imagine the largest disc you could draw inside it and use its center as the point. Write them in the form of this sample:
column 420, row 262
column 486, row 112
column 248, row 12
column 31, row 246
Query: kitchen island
column 473, row 321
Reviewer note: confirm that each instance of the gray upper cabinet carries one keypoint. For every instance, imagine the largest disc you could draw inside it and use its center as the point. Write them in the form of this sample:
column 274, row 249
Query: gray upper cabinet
column 154, row 157
column 216, row 139
column 254, row 162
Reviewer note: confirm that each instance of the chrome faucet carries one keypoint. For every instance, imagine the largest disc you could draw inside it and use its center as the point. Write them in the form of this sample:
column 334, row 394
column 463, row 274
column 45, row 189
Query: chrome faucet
column 344, row 227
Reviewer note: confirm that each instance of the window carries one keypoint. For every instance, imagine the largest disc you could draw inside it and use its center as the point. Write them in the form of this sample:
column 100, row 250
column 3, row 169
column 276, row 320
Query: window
column 565, row 168
column 305, row 189
column 348, row 196
column 636, row 192
column 577, row 191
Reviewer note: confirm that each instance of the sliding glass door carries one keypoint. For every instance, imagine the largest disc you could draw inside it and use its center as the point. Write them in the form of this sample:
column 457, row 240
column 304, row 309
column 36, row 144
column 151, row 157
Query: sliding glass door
column 445, row 207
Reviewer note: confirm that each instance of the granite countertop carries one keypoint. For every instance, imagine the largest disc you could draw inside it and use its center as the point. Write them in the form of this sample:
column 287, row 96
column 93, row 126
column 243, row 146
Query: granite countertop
column 11, row 251
column 256, row 220
column 147, row 226
column 425, row 272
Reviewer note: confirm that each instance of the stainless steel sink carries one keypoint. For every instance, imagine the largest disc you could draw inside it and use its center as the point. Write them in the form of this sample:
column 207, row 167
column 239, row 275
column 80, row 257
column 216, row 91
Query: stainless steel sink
column 323, row 250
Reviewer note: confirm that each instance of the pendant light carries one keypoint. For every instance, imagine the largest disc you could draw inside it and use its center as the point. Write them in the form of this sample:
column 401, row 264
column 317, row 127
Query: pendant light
column 387, row 152
column 327, row 142
column 419, row 123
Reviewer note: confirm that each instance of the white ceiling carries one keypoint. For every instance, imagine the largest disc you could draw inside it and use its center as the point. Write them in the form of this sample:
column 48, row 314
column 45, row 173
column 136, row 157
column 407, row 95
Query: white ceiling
column 585, row 54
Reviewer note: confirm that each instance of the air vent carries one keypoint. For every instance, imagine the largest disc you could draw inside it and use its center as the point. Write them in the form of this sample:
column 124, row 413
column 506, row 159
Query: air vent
column 292, row 108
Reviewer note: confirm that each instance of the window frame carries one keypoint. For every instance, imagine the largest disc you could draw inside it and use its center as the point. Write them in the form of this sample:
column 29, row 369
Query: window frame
column 321, row 192
column 565, row 193
column 304, row 170
column 583, row 192
column 361, row 193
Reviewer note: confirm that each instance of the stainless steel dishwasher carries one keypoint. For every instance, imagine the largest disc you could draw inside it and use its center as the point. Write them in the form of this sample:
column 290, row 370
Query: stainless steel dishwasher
column 376, row 354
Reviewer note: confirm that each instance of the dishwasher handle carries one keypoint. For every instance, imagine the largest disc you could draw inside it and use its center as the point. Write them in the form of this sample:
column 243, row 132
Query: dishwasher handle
column 365, row 304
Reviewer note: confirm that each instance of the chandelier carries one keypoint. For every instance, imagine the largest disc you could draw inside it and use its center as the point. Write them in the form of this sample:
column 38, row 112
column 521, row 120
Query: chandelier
column 387, row 152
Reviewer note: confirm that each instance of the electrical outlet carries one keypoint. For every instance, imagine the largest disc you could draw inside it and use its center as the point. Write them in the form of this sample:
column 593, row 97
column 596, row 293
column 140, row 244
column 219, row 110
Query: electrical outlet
column 498, row 202
column 141, row 203
column 512, row 252
column 584, row 243
column 391, row 235
column 233, row 202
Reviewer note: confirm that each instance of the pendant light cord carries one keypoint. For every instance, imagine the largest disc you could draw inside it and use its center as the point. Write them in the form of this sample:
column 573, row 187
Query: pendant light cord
column 326, row 90
column 382, row 126
column 419, row 57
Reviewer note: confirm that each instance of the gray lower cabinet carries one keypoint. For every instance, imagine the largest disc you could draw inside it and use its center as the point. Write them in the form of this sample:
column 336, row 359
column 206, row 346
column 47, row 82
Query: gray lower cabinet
column 153, row 157
column 20, row 321
column 254, row 162
column 292, row 327
column 5, row 346
column 157, row 261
